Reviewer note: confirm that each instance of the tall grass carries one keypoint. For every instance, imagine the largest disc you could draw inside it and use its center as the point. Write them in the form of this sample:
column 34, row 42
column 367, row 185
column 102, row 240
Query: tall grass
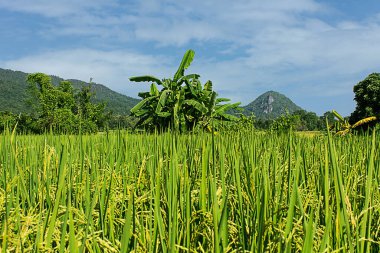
column 234, row 192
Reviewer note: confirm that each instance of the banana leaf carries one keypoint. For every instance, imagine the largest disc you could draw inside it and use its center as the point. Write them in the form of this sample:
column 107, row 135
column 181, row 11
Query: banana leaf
column 140, row 105
column 190, row 88
column 220, row 100
column 161, row 103
column 164, row 114
column 197, row 84
column 188, row 77
column 180, row 97
column 153, row 90
column 211, row 104
column 185, row 63
column 144, row 94
column 208, row 86
column 145, row 79
column 147, row 121
column 176, row 117
column 223, row 108
column 166, row 83
column 199, row 106
column 182, row 122
column 141, row 112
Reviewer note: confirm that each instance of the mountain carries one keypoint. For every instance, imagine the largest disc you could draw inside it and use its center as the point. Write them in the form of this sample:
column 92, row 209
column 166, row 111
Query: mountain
column 270, row 105
column 14, row 95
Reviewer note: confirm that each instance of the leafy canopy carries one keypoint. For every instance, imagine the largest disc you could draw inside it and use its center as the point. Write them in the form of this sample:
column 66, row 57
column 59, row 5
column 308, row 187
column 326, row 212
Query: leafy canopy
column 367, row 97
column 61, row 109
column 182, row 104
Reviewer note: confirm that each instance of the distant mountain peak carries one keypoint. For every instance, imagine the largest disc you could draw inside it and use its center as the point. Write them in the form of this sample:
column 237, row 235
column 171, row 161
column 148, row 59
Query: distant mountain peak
column 270, row 105
column 267, row 103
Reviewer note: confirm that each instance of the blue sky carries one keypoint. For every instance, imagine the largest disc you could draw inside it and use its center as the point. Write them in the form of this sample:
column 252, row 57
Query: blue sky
column 312, row 51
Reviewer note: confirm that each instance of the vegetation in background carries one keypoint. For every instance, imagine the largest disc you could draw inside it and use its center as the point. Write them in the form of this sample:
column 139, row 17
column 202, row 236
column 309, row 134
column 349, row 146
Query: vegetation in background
column 14, row 95
column 60, row 109
column 244, row 123
column 7, row 120
column 121, row 122
column 286, row 122
column 270, row 105
column 309, row 121
column 182, row 104
column 367, row 97
column 92, row 117
column 13, row 99
column 300, row 120
column 25, row 123
column 13, row 92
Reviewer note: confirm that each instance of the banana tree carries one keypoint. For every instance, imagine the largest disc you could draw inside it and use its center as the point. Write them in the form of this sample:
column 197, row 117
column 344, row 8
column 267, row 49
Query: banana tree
column 344, row 127
column 216, row 112
column 181, row 104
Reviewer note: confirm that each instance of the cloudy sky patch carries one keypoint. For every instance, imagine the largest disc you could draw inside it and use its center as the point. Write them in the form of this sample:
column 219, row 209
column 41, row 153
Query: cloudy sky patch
column 312, row 51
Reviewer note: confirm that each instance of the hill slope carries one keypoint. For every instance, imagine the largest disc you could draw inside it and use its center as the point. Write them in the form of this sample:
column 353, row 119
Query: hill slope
column 14, row 95
column 270, row 105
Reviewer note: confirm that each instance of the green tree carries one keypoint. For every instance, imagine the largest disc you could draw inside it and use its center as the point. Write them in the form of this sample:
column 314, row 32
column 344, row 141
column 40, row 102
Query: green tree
column 245, row 123
column 367, row 97
column 7, row 121
column 54, row 104
column 286, row 122
column 91, row 116
column 182, row 104
column 122, row 121
column 61, row 109
column 42, row 98
column 309, row 121
column 329, row 115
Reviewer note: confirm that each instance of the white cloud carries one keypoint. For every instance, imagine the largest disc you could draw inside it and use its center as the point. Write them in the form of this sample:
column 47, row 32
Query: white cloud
column 55, row 8
column 112, row 69
column 78, row 18
column 178, row 22
column 286, row 45
column 166, row 22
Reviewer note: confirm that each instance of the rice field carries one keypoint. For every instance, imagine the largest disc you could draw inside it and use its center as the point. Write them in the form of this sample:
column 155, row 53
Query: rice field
column 231, row 192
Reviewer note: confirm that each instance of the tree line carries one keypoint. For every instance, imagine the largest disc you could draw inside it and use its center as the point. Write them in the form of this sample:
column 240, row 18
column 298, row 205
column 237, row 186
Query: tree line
column 182, row 104
column 60, row 109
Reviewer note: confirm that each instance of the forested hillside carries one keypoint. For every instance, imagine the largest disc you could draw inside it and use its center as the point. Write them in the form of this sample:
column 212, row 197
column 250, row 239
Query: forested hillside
column 14, row 95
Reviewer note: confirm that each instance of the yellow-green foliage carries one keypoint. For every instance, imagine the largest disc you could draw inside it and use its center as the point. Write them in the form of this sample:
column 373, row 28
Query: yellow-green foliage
column 231, row 192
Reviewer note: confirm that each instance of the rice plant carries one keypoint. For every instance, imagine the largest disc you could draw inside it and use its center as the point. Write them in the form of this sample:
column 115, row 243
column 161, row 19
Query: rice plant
column 232, row 192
